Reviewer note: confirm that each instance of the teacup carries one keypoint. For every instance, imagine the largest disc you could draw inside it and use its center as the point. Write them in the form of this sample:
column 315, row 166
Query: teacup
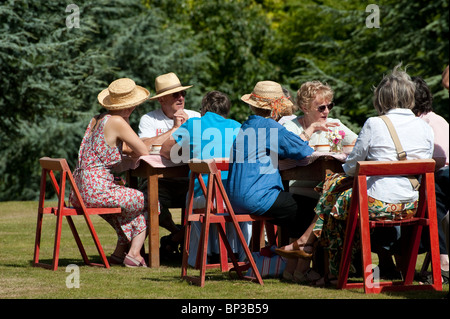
column 348, row 148
column 322, row 148
column 156, row 148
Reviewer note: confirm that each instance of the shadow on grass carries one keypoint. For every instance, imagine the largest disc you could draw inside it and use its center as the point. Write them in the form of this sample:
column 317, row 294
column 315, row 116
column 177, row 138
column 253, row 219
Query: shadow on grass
column 64, row 262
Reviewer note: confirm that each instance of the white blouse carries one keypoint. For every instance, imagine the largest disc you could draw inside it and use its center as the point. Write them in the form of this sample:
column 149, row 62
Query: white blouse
column 374, row 143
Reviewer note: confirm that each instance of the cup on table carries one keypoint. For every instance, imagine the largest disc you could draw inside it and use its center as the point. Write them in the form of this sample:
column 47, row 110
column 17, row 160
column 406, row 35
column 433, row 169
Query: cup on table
column 322, row 148
column 348, row 148
column 156, row 148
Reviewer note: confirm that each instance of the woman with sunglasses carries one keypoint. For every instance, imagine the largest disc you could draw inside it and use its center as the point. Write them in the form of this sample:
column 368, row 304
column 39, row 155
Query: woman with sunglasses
column 315, row 100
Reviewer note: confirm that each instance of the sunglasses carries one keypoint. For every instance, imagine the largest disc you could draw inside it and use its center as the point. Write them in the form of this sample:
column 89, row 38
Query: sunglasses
column 176, row 95
column 323, row 107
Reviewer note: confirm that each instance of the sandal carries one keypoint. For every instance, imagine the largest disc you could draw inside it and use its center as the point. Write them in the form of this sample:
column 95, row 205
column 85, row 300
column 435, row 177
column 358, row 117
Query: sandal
column 309, row 277
column 296, row 252
column 133, row 263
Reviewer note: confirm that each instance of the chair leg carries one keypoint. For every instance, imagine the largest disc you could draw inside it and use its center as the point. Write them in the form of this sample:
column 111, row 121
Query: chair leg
column 352, row 222
column 411, row 255
column 246, row 250
column 436, row 265
column 434, row 235
column 186, row 245
column 55, row 262
column 204, row 249
column 223, row 251
column 77, row 239
column 37, row 241
column 96, row 241
column 369, row 285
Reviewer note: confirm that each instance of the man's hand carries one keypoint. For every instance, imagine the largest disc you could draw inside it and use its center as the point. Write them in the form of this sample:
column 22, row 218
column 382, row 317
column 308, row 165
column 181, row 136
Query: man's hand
column 179, row 117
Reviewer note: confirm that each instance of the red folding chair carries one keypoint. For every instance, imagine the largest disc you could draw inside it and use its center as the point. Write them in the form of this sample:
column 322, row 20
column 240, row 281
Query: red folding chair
column 219, row 211
column 359, row 216
column 49, row 167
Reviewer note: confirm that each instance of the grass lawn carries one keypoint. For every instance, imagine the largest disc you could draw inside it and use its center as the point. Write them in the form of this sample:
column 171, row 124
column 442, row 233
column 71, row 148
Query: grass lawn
column 20, row 280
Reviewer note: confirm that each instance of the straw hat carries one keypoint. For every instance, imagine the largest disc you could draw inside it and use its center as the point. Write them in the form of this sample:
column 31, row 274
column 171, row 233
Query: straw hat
column 269, row 95
column 122, row 94
column 167, row 84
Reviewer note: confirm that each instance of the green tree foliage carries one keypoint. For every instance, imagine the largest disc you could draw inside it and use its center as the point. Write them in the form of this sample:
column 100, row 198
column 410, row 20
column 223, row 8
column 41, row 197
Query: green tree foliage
column 49, row 77
column 50, row 74
column 235, row 36
column 330, row 42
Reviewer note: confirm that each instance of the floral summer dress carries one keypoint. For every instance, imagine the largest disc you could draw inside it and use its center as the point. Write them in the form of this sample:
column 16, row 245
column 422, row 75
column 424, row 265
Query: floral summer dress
column 97, row 188
column 332, row 210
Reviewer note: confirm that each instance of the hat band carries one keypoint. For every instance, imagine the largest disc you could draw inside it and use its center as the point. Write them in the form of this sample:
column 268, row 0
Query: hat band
column 276, row 104
column 171, row 87
column 116, row 98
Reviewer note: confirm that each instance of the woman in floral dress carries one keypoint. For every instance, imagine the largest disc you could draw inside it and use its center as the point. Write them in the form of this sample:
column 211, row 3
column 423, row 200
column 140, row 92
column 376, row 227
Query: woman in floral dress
column 106, row 137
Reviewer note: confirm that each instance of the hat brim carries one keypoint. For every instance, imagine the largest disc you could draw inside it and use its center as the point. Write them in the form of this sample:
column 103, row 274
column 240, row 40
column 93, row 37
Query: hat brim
column 175, row 90
column 246, row 98
column 141, row 95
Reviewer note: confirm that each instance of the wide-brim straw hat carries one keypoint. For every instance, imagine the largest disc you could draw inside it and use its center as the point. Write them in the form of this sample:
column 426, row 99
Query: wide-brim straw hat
column 167, row 84
column 269, row 95
column 122, row 94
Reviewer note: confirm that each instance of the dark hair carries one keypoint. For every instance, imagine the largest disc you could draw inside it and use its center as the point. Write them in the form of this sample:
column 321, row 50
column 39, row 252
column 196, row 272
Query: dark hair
column 216, row 102
column 423, row 97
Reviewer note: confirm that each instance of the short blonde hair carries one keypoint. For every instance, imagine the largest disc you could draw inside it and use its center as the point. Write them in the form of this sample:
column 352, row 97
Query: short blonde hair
column 309, row 91
column 396, row 90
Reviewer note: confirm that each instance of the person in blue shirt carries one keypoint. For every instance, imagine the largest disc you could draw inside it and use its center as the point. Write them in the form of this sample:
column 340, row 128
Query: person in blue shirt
column 254, row 181
column 207, row 137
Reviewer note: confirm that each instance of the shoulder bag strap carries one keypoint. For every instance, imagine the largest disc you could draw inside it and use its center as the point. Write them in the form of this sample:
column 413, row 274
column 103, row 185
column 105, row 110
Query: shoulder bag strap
column 401, row 154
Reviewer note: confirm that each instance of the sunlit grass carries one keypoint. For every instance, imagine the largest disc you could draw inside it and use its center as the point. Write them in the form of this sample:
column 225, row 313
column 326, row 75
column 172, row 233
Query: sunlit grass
column 19, row 279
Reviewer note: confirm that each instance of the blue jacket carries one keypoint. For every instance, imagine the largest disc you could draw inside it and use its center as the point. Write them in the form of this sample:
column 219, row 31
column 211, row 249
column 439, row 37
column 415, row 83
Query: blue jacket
column 254, row 181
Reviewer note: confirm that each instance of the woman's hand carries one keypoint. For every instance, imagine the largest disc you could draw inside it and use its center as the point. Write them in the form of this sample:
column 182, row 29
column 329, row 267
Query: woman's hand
column 318, row 126
column 321, row 126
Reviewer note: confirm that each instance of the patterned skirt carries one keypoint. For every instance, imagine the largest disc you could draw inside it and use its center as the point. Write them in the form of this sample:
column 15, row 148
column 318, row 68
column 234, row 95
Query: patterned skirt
column 333, row 208
column 98, row 188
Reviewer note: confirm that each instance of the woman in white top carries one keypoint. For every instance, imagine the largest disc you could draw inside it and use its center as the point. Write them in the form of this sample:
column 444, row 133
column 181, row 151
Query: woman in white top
column 389, row 197
column 315, row 100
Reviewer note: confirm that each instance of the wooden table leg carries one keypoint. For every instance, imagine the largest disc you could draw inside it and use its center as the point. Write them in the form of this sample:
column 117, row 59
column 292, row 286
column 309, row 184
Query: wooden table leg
column 153, row 221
